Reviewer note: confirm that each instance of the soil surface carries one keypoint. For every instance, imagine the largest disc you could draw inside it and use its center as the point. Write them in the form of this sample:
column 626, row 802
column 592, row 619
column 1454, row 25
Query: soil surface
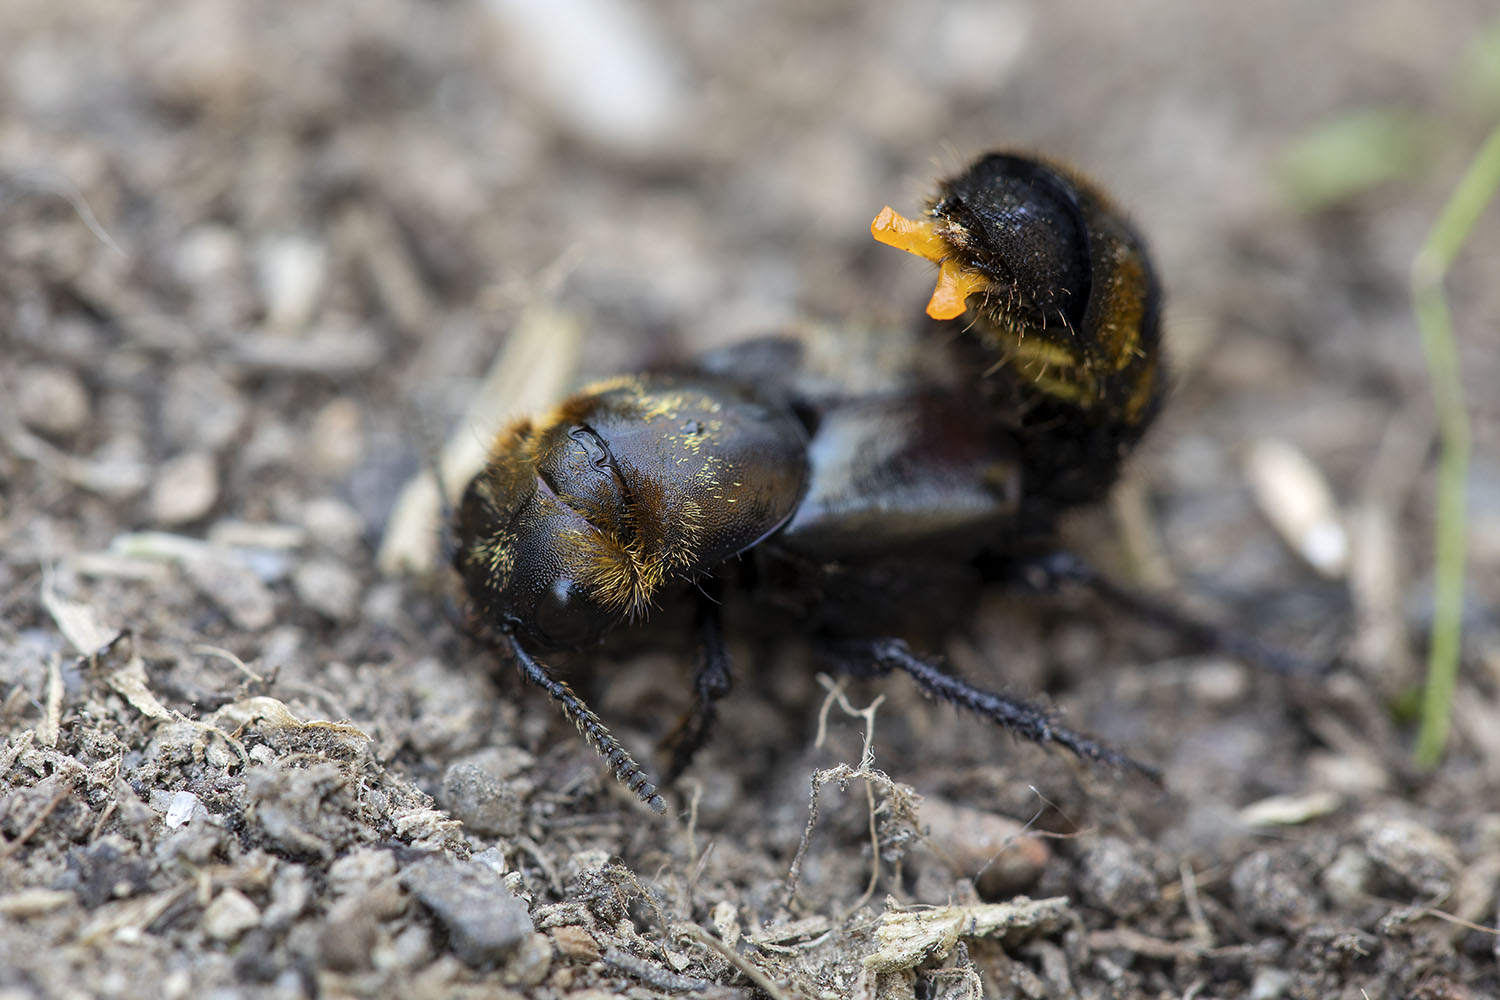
column 256, row 258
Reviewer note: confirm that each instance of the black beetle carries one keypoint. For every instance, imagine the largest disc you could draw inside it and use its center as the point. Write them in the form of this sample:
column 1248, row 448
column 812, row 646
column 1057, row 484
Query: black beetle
column 891, row 476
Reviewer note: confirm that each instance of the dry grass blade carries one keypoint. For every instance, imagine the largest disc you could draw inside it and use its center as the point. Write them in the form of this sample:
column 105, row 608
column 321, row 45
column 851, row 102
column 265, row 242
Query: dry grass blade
column 530, row 374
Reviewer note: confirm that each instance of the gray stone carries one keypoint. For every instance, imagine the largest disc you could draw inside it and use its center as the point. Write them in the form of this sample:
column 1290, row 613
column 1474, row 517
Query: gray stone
column 485, row 921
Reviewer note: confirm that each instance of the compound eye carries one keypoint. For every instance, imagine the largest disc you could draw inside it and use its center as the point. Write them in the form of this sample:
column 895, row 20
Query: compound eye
column 564, row 617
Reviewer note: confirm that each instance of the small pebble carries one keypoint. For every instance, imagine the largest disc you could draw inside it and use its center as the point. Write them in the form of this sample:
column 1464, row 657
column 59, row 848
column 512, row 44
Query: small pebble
column 485, row 921
column 1115, row 879
column 328, row 587
column 51, row 400
column 1270, row 983
column 230, row 915
column 996, row 851
column 292, row 271
column 336, row 440
column 185, row 488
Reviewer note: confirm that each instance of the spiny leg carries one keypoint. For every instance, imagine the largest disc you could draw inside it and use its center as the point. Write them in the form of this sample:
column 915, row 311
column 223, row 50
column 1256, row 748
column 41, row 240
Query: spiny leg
column 1050, row 572
column 881, row 656
column 711, row 681
column 625, row 769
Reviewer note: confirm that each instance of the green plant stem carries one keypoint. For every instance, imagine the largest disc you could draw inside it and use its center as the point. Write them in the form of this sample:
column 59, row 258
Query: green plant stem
column 1428, row 270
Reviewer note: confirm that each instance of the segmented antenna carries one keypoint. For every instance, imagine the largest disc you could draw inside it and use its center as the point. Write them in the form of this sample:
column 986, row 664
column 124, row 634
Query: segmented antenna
column 625, row 769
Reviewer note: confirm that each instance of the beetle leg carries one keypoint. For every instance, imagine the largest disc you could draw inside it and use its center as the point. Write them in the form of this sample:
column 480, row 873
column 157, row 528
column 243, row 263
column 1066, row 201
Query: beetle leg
column 626, row 770
column 711, row 681
column 1023, row 718
column 1049, row 573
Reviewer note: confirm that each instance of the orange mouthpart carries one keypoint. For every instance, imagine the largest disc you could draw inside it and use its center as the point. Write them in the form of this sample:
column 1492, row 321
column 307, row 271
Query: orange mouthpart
column 954, row 284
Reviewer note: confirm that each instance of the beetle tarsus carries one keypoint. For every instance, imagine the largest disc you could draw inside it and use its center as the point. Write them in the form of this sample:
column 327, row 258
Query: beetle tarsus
column 1020, row 717
column 626, row 770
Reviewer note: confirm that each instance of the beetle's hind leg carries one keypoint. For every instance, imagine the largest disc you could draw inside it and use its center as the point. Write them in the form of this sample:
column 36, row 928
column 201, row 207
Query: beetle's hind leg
column 1025, row 719
column 1051, row 572
column 625, row 769
column 711, row 681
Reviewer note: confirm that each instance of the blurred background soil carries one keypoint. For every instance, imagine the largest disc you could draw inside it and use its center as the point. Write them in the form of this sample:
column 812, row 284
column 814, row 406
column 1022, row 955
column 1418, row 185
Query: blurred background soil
column 255, row 258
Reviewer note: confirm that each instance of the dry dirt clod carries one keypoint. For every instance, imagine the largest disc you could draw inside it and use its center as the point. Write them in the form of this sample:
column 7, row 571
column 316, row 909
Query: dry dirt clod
column 1270, row 893
column 1349, row 877
column 235, row 588
column 482, row 802
column 1116, row 879
column 329, row 587
column 1422, row 860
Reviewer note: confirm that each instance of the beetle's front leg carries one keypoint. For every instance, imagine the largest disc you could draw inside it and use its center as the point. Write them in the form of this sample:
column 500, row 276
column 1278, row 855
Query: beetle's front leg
column 625, row 769
column 711, row 681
